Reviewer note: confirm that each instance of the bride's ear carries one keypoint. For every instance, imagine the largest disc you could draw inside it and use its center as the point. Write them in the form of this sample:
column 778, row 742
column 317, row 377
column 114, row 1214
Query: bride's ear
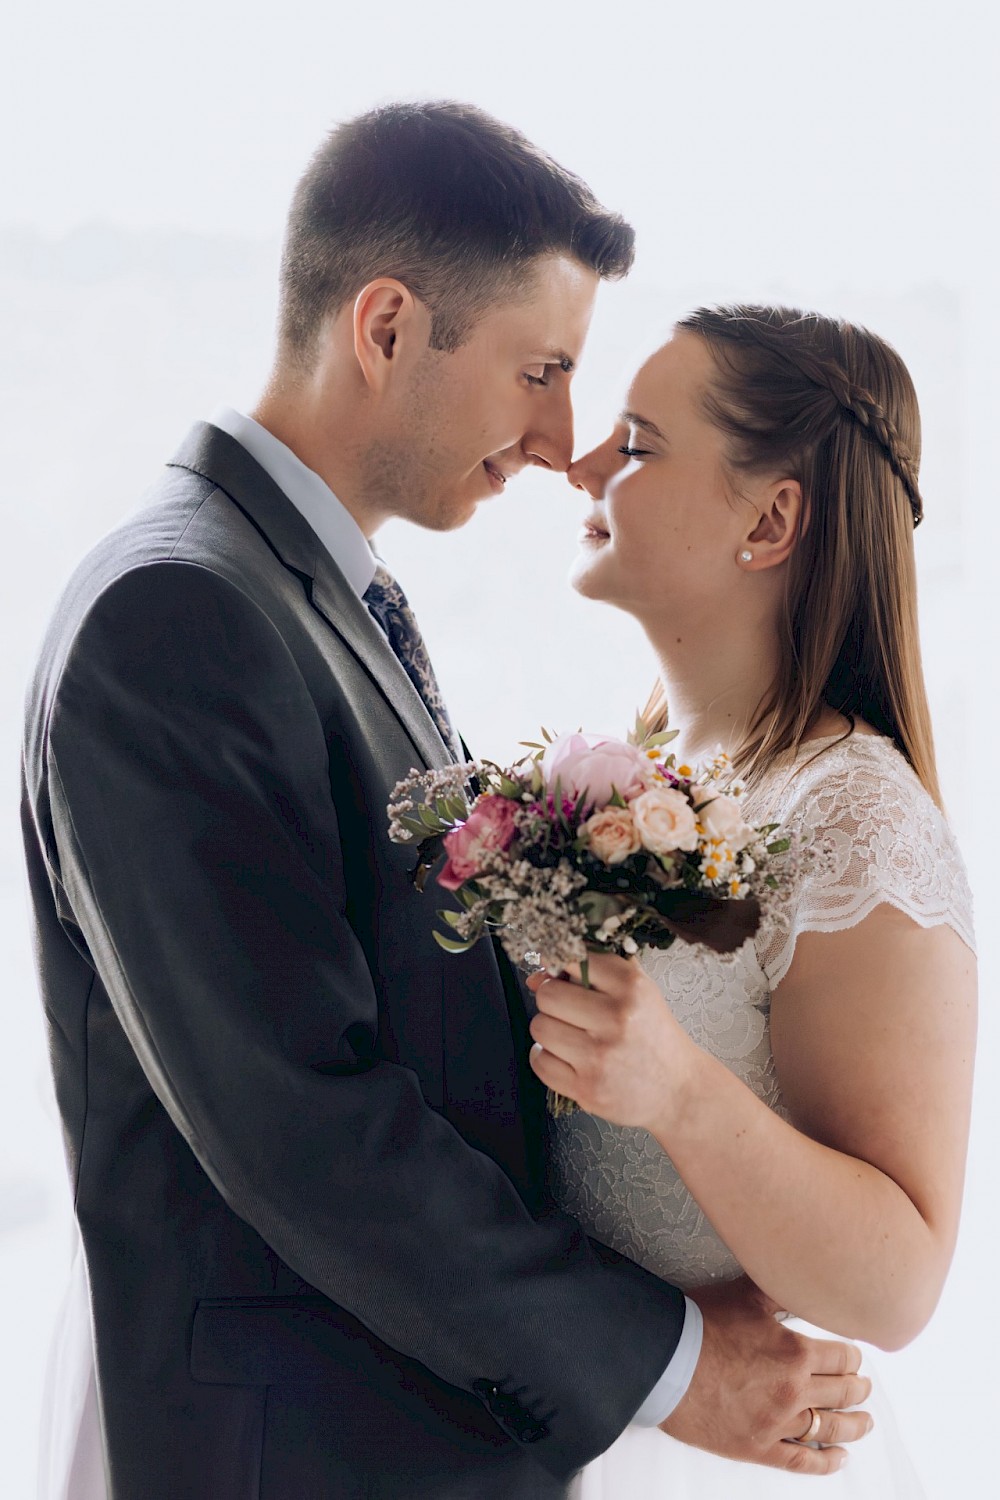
column 782, row 519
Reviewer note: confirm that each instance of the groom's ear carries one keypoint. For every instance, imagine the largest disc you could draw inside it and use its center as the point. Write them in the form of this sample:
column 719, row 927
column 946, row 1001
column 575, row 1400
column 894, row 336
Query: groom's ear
column 390, row 329
column 782, row 519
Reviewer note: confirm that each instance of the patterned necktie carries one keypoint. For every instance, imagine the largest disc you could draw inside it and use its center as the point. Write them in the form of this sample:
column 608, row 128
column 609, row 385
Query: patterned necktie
column 387, row 602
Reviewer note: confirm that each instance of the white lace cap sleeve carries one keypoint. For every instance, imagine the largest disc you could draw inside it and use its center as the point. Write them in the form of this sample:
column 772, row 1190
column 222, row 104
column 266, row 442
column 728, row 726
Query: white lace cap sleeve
column 885, row 841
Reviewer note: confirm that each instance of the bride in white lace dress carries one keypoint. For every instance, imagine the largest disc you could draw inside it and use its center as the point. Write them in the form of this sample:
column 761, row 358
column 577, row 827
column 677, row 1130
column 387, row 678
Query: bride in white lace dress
column 797, row 1112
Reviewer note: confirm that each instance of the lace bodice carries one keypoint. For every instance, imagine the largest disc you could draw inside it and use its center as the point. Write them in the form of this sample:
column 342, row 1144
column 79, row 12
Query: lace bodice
column 883, row 840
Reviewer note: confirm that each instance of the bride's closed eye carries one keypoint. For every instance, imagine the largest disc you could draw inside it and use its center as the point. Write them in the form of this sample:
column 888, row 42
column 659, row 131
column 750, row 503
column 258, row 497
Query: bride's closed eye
column 634, row 452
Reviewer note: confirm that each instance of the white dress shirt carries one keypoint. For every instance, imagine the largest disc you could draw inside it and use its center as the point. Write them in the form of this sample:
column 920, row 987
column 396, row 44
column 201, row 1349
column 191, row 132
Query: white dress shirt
column 350, row 550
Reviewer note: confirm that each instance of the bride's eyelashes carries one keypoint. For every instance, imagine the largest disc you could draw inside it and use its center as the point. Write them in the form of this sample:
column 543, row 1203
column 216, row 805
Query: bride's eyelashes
column 628, row 452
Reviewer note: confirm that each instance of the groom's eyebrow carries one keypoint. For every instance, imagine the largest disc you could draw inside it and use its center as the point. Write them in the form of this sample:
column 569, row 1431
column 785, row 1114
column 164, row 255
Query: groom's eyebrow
column 633, row 419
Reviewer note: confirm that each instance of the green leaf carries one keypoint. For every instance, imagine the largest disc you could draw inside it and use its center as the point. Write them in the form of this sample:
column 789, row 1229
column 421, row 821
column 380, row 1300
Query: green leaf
column 412, row 825
column 617, row 800
column 430, row 819
column 659, row 741
column 643, row 740
column 509, row 789
column 451, row 917
column 453, row 945
column 779, row 846
column 597, row 906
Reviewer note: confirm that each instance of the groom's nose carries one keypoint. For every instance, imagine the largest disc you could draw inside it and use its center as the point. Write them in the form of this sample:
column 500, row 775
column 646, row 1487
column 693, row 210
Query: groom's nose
column 549, row 440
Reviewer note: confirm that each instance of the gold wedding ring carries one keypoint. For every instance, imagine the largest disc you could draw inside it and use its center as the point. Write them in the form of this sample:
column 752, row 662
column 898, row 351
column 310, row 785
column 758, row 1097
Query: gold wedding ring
column 809, row 1435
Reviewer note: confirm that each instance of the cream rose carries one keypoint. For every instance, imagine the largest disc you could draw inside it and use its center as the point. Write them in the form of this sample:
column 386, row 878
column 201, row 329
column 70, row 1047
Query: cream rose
column 611, row 835
column 723, row 822
column 664, row 821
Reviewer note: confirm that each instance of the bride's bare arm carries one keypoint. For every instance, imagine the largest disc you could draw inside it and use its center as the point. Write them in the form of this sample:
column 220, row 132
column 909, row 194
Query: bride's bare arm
column 848, row 1215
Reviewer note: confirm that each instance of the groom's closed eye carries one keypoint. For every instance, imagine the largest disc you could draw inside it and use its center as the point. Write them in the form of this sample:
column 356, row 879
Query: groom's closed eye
column 539, row 374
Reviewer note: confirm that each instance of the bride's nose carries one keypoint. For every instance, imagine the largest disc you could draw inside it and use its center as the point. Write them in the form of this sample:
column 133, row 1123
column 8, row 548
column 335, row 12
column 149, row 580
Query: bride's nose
column 589, row 473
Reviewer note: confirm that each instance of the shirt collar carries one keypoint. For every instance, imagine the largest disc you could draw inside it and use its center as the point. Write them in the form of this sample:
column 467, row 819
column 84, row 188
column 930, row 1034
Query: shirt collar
column 312, row 496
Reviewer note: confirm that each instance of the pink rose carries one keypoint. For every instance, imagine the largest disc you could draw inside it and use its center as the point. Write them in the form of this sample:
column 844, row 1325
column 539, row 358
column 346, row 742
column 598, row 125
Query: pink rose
column 611, row 835
column 722, row 820
column 665, row 821
column 591, row 765
column 489, row 826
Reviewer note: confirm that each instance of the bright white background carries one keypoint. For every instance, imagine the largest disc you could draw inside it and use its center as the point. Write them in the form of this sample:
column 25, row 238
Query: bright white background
column 842, row 157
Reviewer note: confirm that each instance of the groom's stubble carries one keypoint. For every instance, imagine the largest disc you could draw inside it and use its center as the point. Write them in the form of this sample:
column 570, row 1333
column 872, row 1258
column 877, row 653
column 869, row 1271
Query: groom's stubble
column 403, row 468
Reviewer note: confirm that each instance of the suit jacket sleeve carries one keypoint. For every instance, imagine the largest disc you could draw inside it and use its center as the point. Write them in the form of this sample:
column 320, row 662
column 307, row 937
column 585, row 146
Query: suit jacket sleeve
column 196, row 841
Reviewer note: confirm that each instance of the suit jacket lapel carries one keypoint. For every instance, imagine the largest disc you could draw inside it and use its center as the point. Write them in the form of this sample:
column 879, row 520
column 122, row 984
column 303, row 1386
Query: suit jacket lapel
column 337, row 602
column 221, row 459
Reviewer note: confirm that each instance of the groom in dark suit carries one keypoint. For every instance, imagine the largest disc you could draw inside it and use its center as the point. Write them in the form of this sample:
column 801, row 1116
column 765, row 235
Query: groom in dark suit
column 304, row 1143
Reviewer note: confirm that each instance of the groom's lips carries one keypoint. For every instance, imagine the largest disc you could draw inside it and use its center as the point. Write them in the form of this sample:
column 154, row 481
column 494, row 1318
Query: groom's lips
column 497, row 478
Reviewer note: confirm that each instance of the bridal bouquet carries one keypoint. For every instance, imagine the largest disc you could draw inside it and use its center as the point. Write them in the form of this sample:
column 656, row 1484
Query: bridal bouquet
column 589, row 844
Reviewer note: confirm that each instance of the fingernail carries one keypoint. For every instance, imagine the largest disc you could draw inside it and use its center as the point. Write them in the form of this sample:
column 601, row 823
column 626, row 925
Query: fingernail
column 842, row 1460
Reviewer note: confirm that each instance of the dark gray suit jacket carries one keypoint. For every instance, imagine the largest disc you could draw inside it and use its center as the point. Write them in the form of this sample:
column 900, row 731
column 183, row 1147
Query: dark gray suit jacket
column 304, row 1142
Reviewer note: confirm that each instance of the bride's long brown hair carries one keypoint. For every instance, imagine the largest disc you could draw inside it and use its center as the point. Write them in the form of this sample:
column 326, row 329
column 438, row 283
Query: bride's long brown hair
column 833, row 406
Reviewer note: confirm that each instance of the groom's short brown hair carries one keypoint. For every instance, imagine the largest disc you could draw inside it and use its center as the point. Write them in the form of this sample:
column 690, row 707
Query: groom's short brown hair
column 448, row 200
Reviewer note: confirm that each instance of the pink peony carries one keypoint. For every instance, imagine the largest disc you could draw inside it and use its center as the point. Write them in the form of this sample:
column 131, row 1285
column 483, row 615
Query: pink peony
column 664, row 820
column 489, row 827
column 611, row 835
column 595, row 766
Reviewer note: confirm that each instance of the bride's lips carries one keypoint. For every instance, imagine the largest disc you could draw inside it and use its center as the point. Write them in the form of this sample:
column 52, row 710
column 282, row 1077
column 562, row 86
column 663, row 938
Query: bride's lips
column 594, row 530
column 498, row 480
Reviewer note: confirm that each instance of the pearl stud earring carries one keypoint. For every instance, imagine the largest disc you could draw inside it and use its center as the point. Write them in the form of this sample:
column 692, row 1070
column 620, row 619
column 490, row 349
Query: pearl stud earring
column 746, row 557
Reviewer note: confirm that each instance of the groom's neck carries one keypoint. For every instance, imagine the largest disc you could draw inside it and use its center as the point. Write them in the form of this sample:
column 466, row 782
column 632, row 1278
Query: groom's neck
column 314, row 417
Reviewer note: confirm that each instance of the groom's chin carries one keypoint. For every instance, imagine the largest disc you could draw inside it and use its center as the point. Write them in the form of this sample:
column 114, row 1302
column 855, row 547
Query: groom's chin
column 449, row 517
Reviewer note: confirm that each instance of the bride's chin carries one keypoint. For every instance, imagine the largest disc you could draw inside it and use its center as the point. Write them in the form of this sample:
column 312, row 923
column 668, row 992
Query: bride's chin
column 582, row 582
column 585, row 576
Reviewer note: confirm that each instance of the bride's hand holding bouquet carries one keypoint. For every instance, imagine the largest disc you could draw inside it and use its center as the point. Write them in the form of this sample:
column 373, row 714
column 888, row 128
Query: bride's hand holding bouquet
column 615, row 1048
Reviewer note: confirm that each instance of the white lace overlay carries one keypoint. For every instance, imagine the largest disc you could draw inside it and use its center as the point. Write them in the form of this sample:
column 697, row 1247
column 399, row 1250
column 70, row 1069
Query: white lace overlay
column 883, row 840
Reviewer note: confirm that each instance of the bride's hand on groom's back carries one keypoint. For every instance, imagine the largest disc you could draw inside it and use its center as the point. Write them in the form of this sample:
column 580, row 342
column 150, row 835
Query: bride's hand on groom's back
column 759, row 1386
